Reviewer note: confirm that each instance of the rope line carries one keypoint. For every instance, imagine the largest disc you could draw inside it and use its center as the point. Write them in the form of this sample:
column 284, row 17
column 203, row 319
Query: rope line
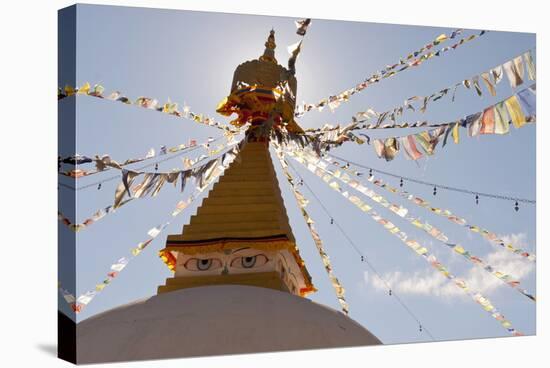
column 446, row 187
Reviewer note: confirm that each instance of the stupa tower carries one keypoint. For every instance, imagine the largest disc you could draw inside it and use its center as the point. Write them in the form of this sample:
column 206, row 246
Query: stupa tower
column 241, row 234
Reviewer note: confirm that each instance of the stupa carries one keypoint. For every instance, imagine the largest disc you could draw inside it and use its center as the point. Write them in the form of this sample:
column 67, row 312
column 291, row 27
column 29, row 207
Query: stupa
column 239, row 282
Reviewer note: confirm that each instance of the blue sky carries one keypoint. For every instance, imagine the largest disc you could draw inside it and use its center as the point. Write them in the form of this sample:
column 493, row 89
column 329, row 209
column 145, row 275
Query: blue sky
column 191, row 56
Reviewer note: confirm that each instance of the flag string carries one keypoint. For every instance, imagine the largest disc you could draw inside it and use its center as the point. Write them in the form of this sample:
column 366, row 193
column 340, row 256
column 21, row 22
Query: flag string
column 314, row 164
column 364, row 257
column 490, row 79
column 302, row 203
column 518, row 109
column 105, row 163
column 489, row 235
column 412, row 60
column 169, row 108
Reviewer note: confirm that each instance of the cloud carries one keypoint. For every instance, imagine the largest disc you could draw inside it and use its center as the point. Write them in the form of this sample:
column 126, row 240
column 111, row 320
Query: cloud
column 431, row 282
column 425, row 282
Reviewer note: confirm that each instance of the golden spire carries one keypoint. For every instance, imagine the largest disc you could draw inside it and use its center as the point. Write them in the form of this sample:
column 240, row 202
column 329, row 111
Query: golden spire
column 269, row 52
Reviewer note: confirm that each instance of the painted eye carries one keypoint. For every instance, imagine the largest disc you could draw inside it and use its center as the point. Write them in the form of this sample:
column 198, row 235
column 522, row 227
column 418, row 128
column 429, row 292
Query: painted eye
column 205, row 264
column 249, row 261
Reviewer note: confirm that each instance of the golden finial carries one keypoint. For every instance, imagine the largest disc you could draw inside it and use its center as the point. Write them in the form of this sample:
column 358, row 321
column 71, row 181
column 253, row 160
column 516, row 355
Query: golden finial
column 269, row 52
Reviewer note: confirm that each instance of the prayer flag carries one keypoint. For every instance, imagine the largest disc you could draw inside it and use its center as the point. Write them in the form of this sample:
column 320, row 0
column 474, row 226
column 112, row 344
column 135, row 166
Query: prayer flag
column 391, row 148
column 488, row 121
column 531, row 73
column 497, row 74
column 527, row 100
column 456, row 137
column 475, row 82
column 487, row 80
column 502, row 119
column 512, row 70
column 409, row 146
column 514, row 110
column 302, row 26
column 474, row 127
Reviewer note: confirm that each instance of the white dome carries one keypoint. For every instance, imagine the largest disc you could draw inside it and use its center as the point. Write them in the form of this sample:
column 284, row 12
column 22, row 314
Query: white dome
column 213, row 320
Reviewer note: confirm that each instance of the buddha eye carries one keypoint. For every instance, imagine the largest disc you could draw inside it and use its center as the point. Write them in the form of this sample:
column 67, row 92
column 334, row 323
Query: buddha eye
column 204, row 264
column 249, row 261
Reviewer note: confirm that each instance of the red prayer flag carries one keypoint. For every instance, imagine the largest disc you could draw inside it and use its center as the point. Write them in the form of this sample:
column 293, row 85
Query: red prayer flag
column 488, row 121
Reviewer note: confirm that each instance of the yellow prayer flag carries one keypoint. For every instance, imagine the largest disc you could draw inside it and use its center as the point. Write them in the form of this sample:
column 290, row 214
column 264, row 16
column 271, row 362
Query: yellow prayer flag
column 417, row 223
column 169, row 107
column 69, row 90
column 459, row 249
column 334, row 185
column 84, row 89
column 366, row 208
column 514, row 109
column 456, row 137
column 441, row 37
column 422, row 251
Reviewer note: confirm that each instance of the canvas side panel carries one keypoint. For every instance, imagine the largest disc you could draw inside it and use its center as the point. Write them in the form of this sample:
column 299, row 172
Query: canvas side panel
column 66, row 247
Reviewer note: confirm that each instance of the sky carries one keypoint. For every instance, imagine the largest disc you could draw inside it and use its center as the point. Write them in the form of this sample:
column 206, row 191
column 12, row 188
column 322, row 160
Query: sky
column 190, row 57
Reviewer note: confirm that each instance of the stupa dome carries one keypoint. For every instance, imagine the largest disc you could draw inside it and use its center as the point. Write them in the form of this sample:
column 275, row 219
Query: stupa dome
column 215, row 320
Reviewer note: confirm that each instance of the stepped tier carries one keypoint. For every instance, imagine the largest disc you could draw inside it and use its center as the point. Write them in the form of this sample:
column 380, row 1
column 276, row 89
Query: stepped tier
column 246, row 203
